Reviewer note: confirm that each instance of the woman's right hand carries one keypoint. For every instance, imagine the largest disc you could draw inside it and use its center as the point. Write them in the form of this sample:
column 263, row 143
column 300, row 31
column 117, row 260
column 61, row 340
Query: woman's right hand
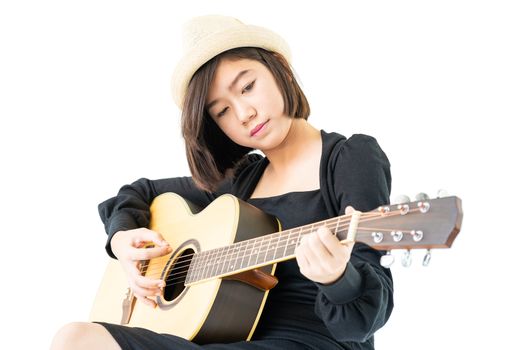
column 128, row 247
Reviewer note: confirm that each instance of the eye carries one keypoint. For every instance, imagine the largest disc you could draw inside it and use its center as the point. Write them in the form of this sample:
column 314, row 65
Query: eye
column 221, row 113
column 248, row 87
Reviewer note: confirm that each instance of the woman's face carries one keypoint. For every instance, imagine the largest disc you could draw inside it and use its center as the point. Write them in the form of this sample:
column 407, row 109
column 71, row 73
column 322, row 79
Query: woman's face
column 245, row 102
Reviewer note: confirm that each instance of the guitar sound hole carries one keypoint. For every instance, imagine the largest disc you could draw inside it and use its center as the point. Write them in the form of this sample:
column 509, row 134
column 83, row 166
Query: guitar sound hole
column 177, row 275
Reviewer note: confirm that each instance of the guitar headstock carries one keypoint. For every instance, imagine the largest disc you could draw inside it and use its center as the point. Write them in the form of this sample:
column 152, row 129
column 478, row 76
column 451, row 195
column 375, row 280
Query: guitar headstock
column 421, row 224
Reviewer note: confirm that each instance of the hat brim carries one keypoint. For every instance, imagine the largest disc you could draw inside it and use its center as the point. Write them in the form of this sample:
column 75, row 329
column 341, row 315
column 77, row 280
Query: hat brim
column 212, row 45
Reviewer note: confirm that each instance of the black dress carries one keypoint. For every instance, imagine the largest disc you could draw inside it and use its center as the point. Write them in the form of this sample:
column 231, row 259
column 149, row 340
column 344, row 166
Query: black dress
column 299, row 313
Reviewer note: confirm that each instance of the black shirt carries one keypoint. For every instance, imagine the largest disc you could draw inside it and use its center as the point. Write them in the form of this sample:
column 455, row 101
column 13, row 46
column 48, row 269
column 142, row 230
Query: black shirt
column 343, row 315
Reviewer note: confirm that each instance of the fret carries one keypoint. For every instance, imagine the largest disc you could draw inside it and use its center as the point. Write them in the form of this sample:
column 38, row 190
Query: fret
column 272, row 246
column 255, row 251
column 278, row 249
column 216, row 261
column 240, row 254
column 238, row 259
column 269, row 242
column 291, row 244
column 190, row 272
column 299, row 236
column 208, row 263
column 287, row 243
column 223, row 267
column 204, row 264
column 229, row 259
column 220, row 260
column 205, row 260
column 198, row 266
column 245, row 259
column 230, row 265
column 212, row 259
column 263, row 251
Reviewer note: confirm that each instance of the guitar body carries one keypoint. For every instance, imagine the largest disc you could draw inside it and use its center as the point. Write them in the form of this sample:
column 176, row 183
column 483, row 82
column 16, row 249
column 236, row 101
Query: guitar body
column 219, row 273
column 216, row 310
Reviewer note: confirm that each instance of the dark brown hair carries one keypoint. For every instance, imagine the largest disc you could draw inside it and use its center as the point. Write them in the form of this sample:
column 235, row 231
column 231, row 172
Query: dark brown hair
column 211, row 155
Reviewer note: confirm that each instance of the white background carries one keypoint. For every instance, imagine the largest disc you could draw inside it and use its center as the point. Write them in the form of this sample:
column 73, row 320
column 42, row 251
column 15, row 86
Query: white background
column 85, row 108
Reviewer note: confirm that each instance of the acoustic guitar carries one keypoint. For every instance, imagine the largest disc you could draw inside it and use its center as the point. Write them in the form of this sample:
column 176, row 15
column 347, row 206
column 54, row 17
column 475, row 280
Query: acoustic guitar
column 224, row 256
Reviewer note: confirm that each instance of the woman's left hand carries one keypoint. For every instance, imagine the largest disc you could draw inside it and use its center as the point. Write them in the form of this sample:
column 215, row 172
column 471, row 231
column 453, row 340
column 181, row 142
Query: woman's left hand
column 321, row 257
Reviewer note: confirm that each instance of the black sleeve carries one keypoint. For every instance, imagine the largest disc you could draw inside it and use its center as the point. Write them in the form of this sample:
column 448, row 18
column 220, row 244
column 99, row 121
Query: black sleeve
column 360, row 302
column 129, row 209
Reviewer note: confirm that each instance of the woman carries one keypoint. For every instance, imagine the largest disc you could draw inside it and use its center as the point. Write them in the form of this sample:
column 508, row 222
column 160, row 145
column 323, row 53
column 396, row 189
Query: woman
column 238, row 93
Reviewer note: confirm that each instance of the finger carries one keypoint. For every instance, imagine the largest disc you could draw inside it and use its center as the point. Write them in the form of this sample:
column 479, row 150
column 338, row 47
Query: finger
column 310, row 264
column 147, row 301
column 147, row 235
column 144, row 292
column 304, row 248
column 349, row 245
column 149, row 283
column 349, row 210
column 315, row 251
column 327, row 260
column 332, row 244
column 301, row 258
column 139, row 254
column 317, row 245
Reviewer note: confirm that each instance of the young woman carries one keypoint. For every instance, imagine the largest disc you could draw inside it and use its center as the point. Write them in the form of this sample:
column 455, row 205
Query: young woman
column 238, row 93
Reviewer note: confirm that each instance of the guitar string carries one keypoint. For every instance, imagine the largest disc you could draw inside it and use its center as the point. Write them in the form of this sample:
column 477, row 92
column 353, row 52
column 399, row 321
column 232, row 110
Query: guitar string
column 262, row 241
column 331, row 224
column 263, row 244
column 181, row 262
column 181, row 276
column 174, row 277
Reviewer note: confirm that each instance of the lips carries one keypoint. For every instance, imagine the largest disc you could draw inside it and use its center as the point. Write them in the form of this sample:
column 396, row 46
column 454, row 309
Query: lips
column 257, row 128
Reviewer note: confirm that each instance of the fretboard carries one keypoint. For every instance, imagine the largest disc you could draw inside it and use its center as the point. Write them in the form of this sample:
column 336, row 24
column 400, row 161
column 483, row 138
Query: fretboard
column 256, row 252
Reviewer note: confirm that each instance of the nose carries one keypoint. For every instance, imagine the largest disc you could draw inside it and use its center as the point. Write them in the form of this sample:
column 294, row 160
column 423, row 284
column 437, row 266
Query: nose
column 244, row 112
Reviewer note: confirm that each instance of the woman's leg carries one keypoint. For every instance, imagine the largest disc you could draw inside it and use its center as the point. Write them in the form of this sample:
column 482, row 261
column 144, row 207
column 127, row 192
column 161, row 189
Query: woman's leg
column 83, row 335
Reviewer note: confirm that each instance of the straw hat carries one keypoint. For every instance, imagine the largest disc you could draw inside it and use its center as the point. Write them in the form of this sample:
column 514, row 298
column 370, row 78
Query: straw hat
column 207, row 36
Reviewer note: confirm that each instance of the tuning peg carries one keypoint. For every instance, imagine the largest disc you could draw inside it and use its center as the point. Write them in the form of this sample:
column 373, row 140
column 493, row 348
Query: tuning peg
column 442, row 193
column 401, row 199
column 426, row 258
column 407, row 259
column 387, row 260
column 422, row 197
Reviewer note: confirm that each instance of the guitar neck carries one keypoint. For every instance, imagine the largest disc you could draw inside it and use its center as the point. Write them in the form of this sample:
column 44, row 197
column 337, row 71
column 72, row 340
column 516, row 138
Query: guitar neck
column 257, row 252
column 416, row 225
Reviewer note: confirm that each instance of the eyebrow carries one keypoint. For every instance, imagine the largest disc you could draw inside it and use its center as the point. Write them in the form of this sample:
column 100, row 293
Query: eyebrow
column 241, row 73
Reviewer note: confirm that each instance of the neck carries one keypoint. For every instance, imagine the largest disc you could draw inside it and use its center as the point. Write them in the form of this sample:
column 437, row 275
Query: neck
column 300, row 138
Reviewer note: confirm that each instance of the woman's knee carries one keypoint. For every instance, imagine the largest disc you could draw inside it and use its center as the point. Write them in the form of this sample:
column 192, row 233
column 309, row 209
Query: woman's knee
column 83, row 335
